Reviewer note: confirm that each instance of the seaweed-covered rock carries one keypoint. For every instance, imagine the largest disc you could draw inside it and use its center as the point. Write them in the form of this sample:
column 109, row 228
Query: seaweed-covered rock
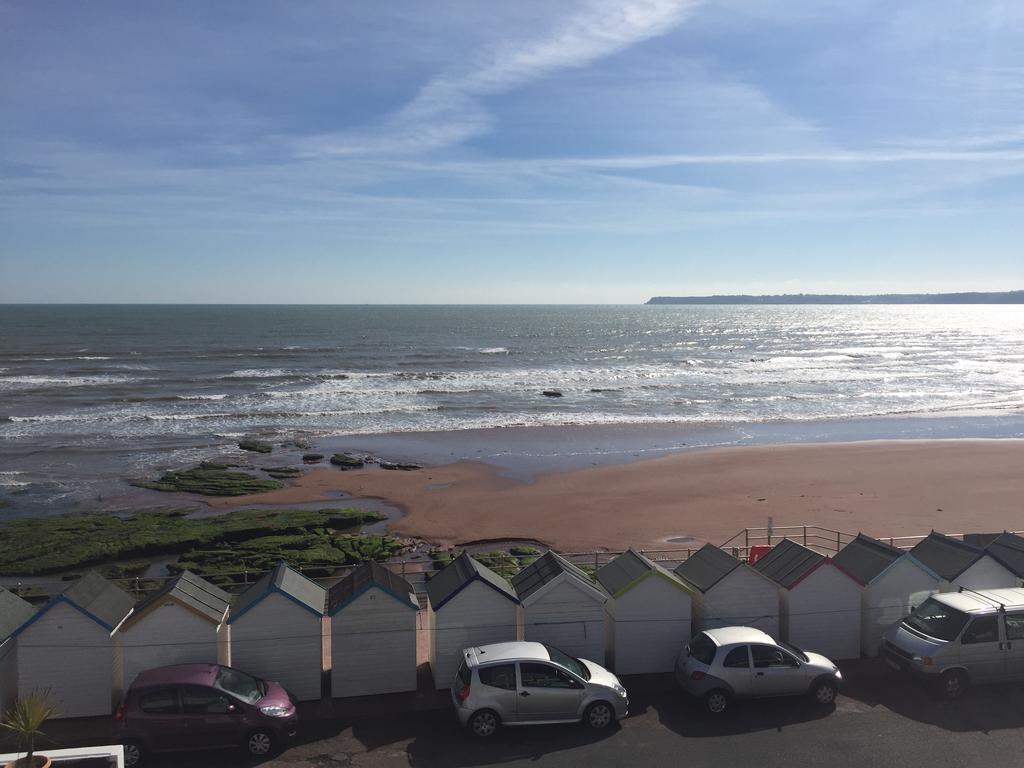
column 208, row 481
column 283, row 473
column 394, row 465
column 551, row 393
column 345, row 461
column 312, row 458
column 257, row 446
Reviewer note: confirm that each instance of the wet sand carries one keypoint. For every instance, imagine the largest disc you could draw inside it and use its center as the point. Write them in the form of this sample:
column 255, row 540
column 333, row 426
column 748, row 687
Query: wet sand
column 890, row 488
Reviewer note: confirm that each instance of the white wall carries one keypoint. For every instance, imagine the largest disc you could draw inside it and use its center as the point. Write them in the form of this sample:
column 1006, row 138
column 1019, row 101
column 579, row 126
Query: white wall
column 73, row 656
column 743, row 598
column 477, row 615
column 650, row 625
column 892, row 595
column 373, row 646
column 279, row 640
column 170, row 634
column 824, row 614
column 986, row 573
column 564, row 614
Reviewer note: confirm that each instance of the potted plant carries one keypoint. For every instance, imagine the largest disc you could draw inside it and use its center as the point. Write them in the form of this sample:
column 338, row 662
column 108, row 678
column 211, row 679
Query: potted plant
column 25, row 719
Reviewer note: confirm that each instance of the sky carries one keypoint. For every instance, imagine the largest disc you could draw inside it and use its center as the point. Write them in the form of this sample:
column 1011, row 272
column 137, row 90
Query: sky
column 590, row 151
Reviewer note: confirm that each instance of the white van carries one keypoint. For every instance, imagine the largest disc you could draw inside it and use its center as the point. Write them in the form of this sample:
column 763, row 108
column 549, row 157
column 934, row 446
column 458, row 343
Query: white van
column 961, row 638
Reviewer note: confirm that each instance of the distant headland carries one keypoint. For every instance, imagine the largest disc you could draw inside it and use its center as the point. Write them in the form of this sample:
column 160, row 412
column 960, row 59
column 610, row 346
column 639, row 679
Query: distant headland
column 1000, row 297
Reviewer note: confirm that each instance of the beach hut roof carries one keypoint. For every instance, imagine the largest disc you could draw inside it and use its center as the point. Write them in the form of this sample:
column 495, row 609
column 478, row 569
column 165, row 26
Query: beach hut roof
column 192, row 591
column 544, row 570
column 629, row 569
column 285, row 581
column 1008, row 550
column 366, row 576
column 706, row 567
column 13, row 613
column 866, row 558
column 787, row 563
column 459, row 574
column 94, row 596
column 946, row 556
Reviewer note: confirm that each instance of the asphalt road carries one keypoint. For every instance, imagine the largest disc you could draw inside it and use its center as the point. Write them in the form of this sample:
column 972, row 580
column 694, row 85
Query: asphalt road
column 877, row 721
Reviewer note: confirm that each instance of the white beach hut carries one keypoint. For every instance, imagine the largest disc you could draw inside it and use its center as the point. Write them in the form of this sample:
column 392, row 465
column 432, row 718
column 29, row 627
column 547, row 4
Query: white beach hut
column 648, row 614
column 470, row 605
column 562, row 606
column 1008, row 550
column 277, row 631
column 182, row 623
column 895, row 583
column 729, row 592
column 69, row 646
column 960, row 564
column 13, row 613
column 820, row 602
column 373, row 633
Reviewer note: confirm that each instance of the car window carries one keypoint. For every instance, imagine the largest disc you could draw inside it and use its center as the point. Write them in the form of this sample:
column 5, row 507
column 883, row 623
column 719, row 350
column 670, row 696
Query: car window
column 766, row 656
column 737, row 658
column 702, row 648
column 1014, row 626
column 984, row 629
column 544, row 676
column 159, row 701
column 463, row 674
column 203, row 701
column 499, row 676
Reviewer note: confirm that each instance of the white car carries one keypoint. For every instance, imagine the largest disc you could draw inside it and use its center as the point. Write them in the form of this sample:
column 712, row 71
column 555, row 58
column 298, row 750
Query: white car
column 718, row 665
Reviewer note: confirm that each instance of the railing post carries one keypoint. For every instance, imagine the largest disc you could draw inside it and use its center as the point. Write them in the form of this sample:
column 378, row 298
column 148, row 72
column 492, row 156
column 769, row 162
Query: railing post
column 805, row 535
column 746, row 538
column 839, row 544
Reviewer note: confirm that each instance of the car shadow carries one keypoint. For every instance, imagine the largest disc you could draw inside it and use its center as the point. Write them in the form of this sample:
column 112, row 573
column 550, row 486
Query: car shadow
column 687, row 717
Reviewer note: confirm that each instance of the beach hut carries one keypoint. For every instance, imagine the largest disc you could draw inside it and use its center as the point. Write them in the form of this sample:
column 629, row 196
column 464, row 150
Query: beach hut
column 277, row 631
column 69, row 646
column 895, row 583
column 648, row 614
column 469, row 605
column 1008, row 550
column 820, row 602
column 13, row 613
column 182, row 623
column 562, row 606
column 373, row 632
column 729, row 592
column 960, row 564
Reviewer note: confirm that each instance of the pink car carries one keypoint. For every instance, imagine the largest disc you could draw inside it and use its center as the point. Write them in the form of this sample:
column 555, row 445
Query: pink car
column 203, row 706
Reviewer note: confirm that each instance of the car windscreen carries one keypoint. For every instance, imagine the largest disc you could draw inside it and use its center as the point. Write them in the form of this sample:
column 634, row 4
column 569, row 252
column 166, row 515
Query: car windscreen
column 563, row 659
column 238, row 684
column 702, row 648
column 936, row 619
column 794, row 650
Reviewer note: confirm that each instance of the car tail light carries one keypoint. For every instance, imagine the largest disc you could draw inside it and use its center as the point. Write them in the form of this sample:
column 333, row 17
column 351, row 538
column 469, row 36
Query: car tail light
column 119, row 714
column 464, row 693
column 696, row 675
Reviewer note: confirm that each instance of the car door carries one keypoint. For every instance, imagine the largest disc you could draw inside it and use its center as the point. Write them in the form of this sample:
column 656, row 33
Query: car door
column 1014, row 624
column 499, row 690
column 213, row 719
column 775, row 672
column 157, row 718
column 547, row 693
column 736, row 671
column 982, row 649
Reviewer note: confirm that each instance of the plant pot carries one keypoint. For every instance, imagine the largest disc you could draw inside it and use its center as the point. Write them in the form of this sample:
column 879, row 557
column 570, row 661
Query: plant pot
column 38, row 761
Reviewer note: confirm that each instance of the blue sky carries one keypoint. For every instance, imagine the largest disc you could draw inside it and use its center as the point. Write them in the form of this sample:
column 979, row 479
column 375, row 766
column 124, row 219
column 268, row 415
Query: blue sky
column 572, row 152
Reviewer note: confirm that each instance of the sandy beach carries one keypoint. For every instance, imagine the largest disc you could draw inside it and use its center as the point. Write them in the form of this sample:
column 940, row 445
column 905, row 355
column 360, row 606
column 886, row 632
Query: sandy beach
column 889, row 488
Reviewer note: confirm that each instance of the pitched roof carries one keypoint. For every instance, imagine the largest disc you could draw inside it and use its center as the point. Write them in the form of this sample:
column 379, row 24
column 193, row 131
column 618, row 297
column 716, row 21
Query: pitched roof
column 788, row 562
column 544, row 570
column 460, row 573
column 367, row 575
column 865, row 558
column 629, row 568
column 284, row 580
column 1008, row 550
column 192, row 591
column 706, row 567
column 13, row 613
column 946, row 556
column 99, row 598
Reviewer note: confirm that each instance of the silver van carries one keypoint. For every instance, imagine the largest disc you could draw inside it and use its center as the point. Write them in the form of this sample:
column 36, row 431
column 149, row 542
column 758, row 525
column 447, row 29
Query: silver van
column 524, row 683
column 956, row 639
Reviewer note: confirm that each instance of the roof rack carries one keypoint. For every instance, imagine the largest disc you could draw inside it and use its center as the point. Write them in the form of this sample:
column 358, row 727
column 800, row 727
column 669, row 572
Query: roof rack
column 983, row 596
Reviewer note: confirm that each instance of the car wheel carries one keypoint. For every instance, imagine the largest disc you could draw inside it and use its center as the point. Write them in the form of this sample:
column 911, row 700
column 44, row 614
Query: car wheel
column 716, row 701
column 132, row 754
column 599, row 715
column 824, row 692
column 952, row 684
column 484, row 723
column 260, row 743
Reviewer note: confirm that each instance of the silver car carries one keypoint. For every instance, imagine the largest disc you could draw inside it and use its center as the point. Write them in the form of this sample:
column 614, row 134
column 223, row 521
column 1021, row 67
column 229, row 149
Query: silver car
column 525, row 683
column 742, row 662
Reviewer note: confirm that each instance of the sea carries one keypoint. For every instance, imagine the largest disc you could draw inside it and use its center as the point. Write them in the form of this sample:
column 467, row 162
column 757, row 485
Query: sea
column 92, row 394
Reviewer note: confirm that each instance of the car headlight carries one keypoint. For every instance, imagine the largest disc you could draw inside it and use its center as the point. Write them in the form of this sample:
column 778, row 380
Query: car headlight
column 619, row 690
column 276, row 710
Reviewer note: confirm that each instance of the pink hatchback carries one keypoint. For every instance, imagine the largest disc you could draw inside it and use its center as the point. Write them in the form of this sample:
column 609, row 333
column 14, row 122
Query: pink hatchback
column 203, row 706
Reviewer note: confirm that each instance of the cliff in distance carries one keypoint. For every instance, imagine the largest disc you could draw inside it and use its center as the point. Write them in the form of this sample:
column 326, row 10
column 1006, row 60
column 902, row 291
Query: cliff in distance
column 1002, row 297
